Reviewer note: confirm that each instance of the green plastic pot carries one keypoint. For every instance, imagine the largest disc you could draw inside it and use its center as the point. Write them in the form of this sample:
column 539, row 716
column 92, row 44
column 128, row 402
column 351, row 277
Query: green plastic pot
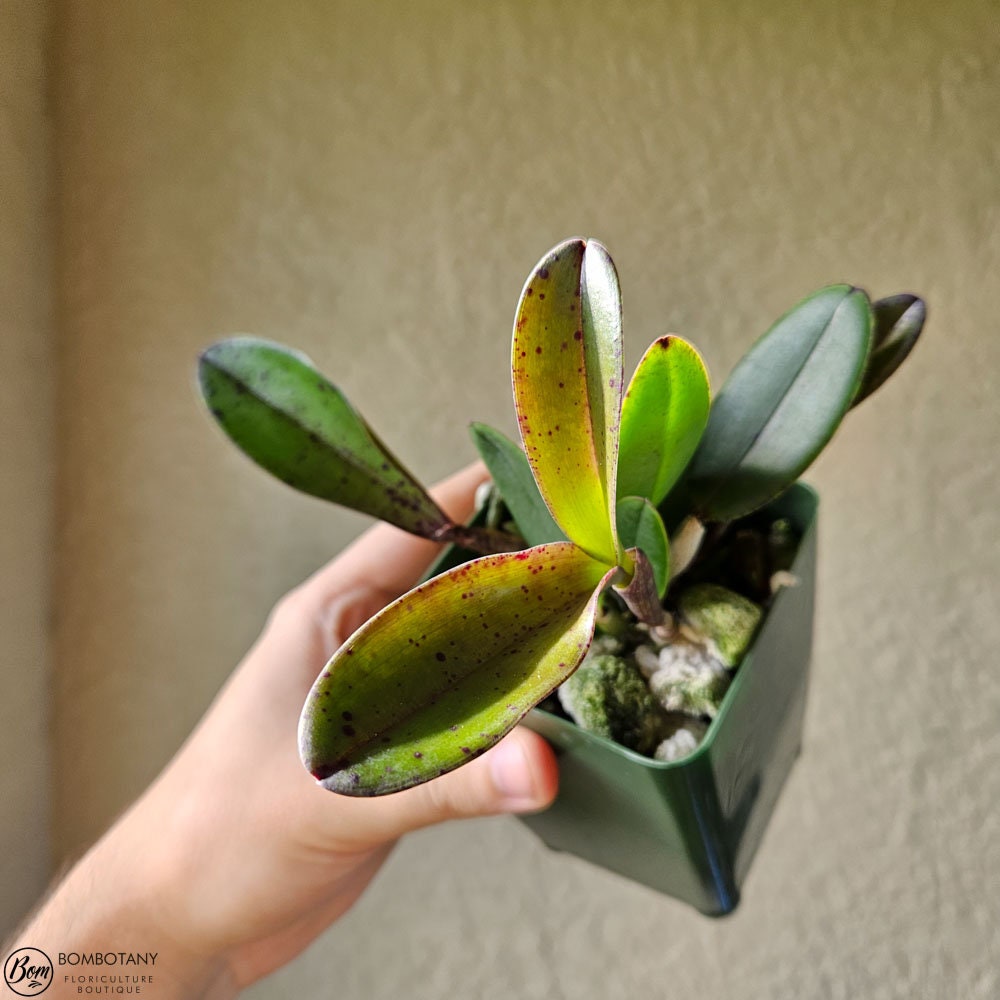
column 690, row 828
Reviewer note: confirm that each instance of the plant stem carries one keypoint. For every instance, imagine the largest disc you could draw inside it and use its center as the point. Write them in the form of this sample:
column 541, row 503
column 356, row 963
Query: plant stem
column 485, row 541
column 640, row 595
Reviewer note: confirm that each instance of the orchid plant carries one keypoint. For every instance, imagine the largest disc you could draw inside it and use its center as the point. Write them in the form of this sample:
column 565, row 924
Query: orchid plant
column 612, row 488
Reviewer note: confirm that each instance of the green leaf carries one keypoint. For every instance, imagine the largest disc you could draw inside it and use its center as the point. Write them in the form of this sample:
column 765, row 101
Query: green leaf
column 663, row 417
column 443, row 673
column 511, row 473
column 640, row 526
column 291, row 421
column 567, row 374
column 601, row 303
column 899, row 320
column 781, row 404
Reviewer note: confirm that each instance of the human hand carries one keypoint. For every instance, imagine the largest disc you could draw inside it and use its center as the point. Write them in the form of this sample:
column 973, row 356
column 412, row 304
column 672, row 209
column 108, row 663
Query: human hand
column 235, row 859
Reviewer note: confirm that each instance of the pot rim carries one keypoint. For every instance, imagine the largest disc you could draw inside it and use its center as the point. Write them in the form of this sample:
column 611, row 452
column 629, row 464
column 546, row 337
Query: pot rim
column 731, row 695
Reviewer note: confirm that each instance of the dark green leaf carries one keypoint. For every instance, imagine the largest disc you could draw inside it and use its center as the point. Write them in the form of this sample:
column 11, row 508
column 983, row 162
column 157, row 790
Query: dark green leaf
column 898, row 322
column 511, row 472
column 781, row 405
column 299, row 427
column 444, row 672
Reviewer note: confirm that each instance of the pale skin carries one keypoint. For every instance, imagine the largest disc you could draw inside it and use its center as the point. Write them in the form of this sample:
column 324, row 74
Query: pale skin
column 234, row 859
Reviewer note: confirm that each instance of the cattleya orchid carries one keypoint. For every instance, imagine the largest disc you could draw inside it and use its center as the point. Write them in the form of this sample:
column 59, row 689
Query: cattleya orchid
column 443, row 673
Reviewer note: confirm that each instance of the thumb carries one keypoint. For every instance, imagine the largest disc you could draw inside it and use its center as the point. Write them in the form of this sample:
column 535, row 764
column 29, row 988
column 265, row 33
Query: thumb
column 518, row 775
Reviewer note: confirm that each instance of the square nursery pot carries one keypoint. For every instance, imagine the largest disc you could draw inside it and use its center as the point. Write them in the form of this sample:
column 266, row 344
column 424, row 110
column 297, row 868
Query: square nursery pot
column 690, row 828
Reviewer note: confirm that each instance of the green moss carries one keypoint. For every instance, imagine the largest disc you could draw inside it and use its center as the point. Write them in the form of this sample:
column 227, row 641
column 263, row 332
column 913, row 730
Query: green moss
column 608, row 696
column 726, row 619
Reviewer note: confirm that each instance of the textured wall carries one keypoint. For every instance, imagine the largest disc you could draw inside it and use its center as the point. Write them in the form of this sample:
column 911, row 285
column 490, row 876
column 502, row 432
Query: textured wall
column 371, row 182
column 25, row 454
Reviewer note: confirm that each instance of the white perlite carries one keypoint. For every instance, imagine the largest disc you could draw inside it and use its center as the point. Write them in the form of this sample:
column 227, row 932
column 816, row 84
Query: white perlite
column 684, row 676
column 688, row 658
column 695, row 688
column 677, row 746
column 647, row 659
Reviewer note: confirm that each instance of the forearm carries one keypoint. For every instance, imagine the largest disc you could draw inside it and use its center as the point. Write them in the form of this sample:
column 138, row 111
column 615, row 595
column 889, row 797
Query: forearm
column 99, row 929
column 235, row 859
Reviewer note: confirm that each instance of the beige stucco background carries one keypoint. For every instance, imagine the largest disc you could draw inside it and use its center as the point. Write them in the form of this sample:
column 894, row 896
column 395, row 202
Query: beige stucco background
column 27, row 466
column 371, row 182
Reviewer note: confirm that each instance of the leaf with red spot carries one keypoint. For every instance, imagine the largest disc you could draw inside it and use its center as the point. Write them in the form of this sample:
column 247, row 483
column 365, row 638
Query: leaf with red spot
column 567, row 374
column 443, row 673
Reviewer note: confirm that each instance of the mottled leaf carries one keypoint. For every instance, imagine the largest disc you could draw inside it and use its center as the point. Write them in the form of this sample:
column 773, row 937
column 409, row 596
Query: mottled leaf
column 511, row 473
column 444, row 672
column 899, row 320
column 781, row 404
column 299, row 427
column 640, row 526
column 567, row 374
column 663, row 416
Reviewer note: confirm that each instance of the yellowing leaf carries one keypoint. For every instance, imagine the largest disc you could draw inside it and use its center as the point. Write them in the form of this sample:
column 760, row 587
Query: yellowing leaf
column 567, row 374
column 444, row 672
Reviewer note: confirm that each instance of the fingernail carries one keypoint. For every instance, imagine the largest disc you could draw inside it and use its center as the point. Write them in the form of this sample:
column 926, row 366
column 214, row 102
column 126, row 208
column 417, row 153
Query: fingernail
column 511, row 771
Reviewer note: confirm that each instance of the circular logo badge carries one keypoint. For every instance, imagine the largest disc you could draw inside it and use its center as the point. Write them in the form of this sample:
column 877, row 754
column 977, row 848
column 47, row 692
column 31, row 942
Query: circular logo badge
column 28, row 972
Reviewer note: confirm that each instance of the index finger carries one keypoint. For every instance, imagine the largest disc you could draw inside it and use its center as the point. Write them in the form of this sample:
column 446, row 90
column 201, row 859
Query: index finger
column 388, row 559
